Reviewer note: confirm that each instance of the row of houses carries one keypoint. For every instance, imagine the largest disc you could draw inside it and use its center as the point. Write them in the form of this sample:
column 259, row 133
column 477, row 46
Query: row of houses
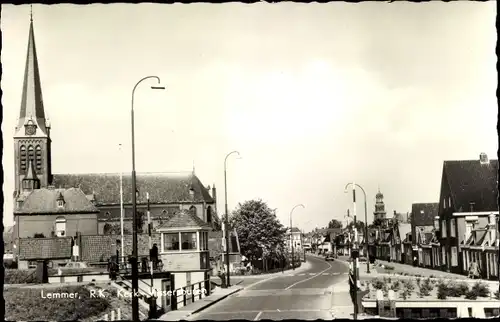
column 449, row 235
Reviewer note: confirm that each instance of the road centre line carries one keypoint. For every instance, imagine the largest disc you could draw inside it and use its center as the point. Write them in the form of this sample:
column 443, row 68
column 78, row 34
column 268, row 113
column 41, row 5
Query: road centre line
column 258, row 316
column 310, row 278
column 268, row 311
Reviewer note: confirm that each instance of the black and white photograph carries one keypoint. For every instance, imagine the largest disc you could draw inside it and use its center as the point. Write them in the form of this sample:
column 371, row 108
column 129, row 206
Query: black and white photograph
column 250, row 161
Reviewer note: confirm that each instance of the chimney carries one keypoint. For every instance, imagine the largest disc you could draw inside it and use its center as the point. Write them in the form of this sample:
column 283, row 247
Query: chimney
column 483, row 158
column 214, row 193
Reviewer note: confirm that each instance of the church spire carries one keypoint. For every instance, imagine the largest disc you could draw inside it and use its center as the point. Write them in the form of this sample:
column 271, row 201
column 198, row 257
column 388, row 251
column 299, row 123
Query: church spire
column 32, row 111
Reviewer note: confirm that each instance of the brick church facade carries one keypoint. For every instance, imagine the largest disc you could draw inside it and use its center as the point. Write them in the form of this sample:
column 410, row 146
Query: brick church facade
column 48, row 204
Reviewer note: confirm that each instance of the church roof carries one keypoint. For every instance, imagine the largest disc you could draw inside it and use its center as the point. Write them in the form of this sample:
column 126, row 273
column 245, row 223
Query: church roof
column 44, row 201
column 44, row 248
column 181, row 219
column 162, row 187
column 31, row 99
column 471, row 181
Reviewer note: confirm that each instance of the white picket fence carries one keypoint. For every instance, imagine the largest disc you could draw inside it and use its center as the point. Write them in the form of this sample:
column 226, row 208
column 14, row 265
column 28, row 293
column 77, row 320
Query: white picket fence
column 114, row 315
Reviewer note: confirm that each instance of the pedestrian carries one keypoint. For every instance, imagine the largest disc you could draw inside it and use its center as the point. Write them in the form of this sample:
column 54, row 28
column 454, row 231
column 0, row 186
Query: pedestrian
column 153, row 255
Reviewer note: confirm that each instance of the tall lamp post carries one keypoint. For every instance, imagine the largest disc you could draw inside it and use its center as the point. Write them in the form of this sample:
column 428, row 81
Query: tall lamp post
column 366, row 224
column 134, row 258
column 291, row 232
column 227, row 215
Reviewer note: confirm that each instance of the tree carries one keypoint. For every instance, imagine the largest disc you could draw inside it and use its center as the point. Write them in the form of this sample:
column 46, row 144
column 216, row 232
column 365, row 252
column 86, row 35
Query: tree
column 334, row 223
column 258, row 230
column 360, row 226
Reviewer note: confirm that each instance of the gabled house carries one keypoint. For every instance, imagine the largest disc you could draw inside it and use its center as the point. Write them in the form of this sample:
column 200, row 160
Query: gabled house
column 422, row 221
column 399, row 232
column 469, row 195
column 482, row 247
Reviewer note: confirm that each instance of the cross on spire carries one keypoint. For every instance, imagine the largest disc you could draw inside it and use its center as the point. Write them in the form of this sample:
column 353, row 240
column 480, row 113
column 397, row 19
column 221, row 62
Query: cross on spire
column 31, row 13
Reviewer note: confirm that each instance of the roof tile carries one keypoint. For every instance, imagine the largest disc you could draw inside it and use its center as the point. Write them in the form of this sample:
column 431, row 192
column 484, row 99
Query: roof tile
column 162, row 187
column 423, row 214
column 44, row 201
column 45, row 248
column 471, row 181
column 182, row 219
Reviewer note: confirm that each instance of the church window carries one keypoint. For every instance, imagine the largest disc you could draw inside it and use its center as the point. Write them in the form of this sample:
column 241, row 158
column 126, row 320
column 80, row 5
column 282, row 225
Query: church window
column 38, row 157
column 31, row 153
column 60, row 227
column 23, row 157
column 209, row 214
column 193, row 210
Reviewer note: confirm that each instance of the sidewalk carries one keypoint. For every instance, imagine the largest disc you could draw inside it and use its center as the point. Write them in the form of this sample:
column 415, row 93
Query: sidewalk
column 218, row 295
column 288, row 272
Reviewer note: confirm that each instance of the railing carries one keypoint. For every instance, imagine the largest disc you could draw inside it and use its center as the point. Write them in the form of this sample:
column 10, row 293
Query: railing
column 203, row 288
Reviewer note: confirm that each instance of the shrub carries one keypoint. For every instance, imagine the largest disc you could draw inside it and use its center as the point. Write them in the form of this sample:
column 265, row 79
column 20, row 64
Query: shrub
column 418, row 280
column 20, row 276
column 408, row 284
column 378, row 284
column 497, row 295
column 19, row 304
column 432, row 276
column 481, row 289
column 389, row 268
column 471, row 295
column 396, row 286
column 442, row 292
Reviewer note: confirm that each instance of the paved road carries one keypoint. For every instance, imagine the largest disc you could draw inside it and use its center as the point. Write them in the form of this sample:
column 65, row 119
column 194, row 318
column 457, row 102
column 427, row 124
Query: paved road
column 306, row 295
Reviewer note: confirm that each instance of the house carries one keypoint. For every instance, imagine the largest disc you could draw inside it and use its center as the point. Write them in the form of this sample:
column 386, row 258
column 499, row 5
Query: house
column 422, row 223
column 482, row 247
column 398, row 235
column 469, row 195
column 90, row 204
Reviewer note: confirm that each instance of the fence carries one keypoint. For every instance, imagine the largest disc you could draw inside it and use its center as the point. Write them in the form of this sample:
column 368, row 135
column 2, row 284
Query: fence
column 191, row 293
column 114, row 315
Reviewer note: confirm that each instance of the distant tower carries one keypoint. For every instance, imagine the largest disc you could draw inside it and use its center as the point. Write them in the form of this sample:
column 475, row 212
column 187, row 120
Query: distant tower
column 32, row 134
column 379, row 207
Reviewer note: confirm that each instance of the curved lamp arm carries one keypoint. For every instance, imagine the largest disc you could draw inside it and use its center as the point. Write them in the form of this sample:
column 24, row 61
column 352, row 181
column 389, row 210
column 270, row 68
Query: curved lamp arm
column 152, row 87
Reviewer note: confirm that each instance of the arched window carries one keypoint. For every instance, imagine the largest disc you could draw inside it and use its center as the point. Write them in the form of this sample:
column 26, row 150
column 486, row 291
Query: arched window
column 23, row 156
column 209, row 214
column 193, row 210
column 31, row 153
column 60, row 227
column 38, row 157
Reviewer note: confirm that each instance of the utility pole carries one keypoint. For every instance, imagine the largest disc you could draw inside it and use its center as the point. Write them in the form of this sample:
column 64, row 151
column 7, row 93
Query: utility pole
column 355, row 253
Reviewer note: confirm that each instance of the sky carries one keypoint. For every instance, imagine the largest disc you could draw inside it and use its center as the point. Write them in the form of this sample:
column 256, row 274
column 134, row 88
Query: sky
column 313, row 96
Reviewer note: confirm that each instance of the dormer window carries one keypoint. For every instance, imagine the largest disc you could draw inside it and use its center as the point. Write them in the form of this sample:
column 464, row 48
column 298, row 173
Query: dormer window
column 60, row 201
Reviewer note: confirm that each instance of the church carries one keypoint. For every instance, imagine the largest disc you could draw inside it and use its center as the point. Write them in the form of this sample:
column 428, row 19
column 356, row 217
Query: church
column 49, row 205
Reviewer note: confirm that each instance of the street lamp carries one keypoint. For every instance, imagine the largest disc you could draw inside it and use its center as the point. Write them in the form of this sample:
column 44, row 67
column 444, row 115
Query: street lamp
column 366, row 225
column 291, row 235
column 134, row 259
column 227, row 214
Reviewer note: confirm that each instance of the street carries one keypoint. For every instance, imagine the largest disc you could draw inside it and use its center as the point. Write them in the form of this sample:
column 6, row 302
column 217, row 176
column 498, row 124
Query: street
column 308, row 295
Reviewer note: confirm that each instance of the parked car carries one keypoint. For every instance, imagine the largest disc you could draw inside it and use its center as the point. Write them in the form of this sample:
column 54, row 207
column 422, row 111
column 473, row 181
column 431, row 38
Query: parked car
column 73, row 265
column 329, row 257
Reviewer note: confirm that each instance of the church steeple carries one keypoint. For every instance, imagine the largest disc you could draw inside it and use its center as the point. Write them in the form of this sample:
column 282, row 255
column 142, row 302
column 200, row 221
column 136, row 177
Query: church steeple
column 32, row 142
column 32, row 113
